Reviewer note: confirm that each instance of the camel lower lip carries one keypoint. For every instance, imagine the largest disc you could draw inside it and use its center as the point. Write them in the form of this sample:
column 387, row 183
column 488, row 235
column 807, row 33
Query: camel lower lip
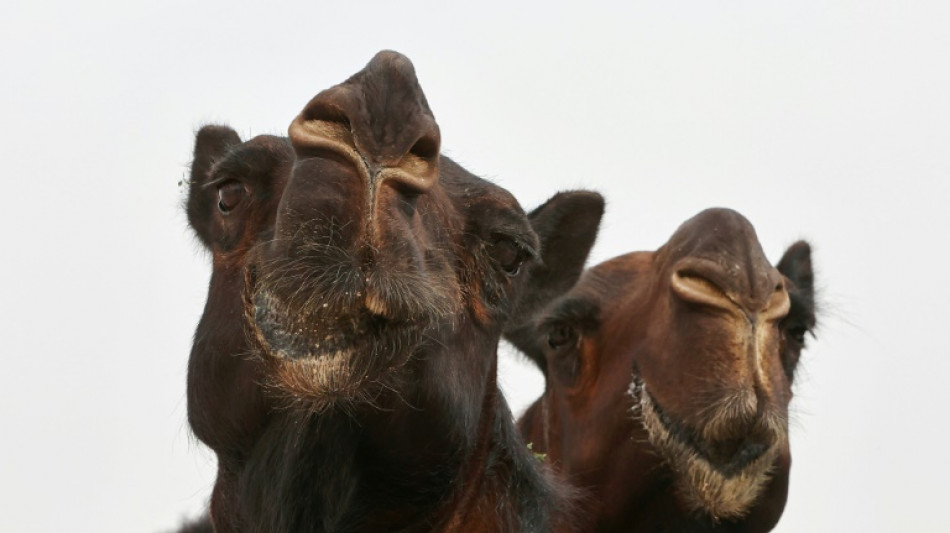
column 719, row 491
column 315, row 355
column 649, row 404
column 301, row 344
column 287, row 335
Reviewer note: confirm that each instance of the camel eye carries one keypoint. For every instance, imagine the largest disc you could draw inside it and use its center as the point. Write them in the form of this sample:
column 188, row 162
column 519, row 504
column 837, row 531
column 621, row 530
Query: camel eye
column 561, row 336
column 509, row 255
column 230, row 194
column 563, row 359
column 797, row 334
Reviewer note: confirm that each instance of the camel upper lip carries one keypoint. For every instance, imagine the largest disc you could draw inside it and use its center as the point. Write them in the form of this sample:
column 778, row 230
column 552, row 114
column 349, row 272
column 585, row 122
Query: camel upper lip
column 320, row 330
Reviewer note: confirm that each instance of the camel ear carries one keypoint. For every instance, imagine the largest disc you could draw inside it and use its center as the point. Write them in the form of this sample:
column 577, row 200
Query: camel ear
column 235, row 186
column 566, row 226
column 212, row 144
column 796, row 266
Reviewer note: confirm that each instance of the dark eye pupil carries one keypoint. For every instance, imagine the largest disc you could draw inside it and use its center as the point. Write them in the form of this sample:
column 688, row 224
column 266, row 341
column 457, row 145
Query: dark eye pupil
column 798, row 334
column 560, row 336
column 509, row 255
column 230, row 195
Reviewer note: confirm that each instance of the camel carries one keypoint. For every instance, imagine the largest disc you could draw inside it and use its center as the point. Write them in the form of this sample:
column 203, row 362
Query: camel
column 668, row 380
column 344, row 369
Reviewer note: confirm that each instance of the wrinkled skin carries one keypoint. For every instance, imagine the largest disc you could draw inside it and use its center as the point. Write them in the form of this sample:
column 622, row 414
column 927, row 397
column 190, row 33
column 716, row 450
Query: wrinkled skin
column 344, row 368
column 669, row 377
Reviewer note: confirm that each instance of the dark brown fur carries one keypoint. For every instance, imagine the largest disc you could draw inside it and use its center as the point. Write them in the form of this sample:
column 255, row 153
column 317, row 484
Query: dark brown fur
column 660, row 360
column 344, row 368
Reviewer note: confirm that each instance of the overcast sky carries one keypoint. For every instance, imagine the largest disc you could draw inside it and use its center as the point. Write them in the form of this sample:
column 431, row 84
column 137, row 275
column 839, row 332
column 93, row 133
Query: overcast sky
column 826, row 120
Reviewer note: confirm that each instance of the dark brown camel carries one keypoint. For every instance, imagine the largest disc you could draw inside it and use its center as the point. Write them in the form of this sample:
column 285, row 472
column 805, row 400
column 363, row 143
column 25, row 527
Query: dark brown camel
column 668, row 380
column 344, row 369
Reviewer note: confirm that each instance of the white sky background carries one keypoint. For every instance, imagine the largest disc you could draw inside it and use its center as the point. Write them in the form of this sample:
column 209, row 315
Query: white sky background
column 828, row 120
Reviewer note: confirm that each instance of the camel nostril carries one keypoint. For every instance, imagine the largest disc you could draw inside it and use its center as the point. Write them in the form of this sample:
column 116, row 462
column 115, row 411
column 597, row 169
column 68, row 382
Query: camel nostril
column 325, row 112
column 426, row 147
column 693, row 286
column 408, row 185
column 417, row 170
column 699, row 280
